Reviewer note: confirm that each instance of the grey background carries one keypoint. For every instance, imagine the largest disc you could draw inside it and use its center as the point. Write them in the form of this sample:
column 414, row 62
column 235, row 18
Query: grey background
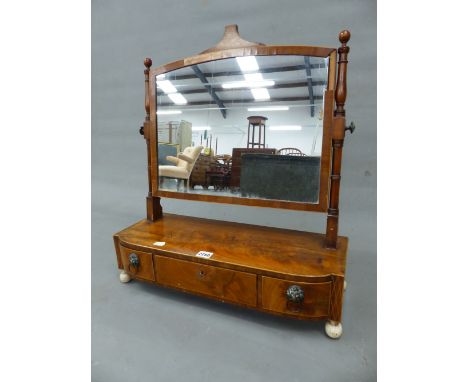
column 144, row 333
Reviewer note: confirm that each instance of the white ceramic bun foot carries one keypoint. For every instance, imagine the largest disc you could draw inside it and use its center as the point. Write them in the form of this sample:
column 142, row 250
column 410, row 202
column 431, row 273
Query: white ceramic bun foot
column 333, row 329
column 345, row 284
column 124, row 277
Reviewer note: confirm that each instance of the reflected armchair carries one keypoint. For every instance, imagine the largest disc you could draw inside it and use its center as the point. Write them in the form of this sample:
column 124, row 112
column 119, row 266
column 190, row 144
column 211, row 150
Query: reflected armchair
column 183, row 165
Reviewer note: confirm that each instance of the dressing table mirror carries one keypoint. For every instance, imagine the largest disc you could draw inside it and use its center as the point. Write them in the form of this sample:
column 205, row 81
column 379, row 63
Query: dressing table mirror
column 248, row 124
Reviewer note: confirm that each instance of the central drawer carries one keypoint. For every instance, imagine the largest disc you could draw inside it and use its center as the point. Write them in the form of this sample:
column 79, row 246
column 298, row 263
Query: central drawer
column 224, row 284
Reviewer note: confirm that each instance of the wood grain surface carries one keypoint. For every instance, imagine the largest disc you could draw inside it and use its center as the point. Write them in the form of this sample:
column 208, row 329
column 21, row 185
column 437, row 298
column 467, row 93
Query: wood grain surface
column 224, row 284
column 316, row 298
column 288, row 254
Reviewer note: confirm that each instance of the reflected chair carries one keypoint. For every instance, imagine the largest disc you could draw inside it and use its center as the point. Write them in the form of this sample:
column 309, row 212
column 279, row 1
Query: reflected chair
column 183, row 165
column 219, row 174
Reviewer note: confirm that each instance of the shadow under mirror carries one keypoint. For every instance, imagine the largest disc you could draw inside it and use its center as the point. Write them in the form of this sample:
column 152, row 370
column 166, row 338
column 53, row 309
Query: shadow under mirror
column 247, row 127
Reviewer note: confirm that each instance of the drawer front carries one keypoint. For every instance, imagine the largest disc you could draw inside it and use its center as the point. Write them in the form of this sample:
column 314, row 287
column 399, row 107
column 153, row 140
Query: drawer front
column 143, row 263
column 314, row 303
column 224, row 284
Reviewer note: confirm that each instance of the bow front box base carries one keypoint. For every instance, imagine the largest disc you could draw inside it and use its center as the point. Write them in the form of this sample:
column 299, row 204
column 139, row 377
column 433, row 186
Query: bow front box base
column 279, row 271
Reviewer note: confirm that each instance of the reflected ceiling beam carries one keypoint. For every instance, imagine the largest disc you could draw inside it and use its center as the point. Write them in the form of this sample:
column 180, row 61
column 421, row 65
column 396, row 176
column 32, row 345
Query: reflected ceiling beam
column 208, row 87
column 276, row 86
column 309, row 83
column 240, row 73
column 250, row 103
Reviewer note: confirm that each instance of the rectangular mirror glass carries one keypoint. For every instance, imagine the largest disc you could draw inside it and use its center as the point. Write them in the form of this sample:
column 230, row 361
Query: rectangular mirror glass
column 247, row 127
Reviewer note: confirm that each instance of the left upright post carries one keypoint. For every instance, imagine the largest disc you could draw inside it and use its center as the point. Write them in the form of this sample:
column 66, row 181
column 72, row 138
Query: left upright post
column 153, row 203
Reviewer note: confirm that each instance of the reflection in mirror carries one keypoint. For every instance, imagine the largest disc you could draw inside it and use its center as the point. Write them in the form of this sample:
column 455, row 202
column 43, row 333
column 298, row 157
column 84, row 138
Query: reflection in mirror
column 248, row 127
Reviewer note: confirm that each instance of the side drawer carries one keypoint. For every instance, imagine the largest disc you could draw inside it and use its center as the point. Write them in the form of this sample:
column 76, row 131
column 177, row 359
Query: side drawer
column 224, row 284
column 143, row 269
column 315, row 302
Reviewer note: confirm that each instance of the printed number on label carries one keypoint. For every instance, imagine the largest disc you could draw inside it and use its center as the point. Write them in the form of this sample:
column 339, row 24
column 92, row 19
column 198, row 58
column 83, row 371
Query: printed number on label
column 204, row 254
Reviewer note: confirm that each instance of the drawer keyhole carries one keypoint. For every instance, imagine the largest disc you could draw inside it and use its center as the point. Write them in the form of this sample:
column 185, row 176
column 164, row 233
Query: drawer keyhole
column 201, row 273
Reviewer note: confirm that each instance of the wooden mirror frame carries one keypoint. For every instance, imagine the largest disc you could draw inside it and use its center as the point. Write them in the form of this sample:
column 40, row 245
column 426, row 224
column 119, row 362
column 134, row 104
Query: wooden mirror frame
column 232, row 45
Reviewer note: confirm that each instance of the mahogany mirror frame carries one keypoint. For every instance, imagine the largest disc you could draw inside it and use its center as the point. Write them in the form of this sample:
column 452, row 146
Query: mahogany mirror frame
column 233, row 46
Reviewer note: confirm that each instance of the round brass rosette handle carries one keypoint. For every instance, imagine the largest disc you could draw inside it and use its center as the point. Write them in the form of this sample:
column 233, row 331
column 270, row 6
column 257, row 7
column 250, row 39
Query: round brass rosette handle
column 295, row 294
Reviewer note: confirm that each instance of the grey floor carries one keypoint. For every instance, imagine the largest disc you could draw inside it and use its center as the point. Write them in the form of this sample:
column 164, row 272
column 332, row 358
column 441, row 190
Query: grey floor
column 144, row 333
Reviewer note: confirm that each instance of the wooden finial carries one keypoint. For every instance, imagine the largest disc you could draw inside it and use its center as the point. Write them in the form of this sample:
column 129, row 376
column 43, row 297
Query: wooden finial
column 148, row 62
column 340, row 93
column 231, row 29
column 231, row 39
column 344, row 36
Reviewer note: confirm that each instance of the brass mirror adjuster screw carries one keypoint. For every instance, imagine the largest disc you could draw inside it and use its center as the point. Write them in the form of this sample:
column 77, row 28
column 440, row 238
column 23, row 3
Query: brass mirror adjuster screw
column 351, row 127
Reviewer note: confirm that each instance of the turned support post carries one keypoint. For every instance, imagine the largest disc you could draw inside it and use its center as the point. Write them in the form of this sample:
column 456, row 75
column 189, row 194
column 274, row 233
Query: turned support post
column 153, row 204
column 338, row 133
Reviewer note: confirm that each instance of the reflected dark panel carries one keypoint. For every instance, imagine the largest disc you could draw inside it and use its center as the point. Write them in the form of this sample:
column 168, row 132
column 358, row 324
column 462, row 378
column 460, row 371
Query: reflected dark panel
column 249, row 127
column 280, row 177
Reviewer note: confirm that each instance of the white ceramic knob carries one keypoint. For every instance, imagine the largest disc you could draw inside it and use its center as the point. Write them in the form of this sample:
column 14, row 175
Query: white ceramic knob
column 333, row 329
column 124, row 277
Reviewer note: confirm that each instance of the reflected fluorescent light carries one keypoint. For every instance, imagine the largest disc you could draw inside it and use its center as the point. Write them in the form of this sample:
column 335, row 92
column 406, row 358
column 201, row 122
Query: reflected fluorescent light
column 166, row 86
column 247, row 64
column 168, row 112
column 160, row 76
column 200, row 128
column 177, row 98
column 248, row 84
column 260, row 93
column 268, row 108
column 286, row 127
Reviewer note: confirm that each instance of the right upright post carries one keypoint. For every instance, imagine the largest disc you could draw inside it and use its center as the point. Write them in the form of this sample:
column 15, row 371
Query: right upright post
column 338, row 133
